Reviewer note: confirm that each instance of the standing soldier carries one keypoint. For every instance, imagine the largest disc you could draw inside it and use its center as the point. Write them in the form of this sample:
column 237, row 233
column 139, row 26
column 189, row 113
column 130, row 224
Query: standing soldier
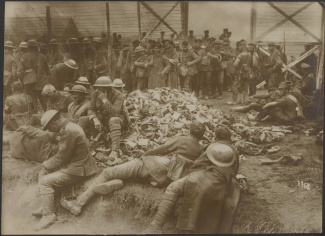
column 308, row 82
column 122, row 61
column 191, row 38
column 169, row 53
column 141, row 68
column 100, row 64
column 310, row 60
column 56, row 55
column 129, row 68
column 8, row 68
column 225, row 34
column 254, row 66
column 196, row 81
column 205, row 37
column 187, row 64
column 273, row 63
column 159, row 68
column 219, row 66
column 89, row 54
column 63, row 73
column 32, row 72
column 229, row 59
column 206, row 72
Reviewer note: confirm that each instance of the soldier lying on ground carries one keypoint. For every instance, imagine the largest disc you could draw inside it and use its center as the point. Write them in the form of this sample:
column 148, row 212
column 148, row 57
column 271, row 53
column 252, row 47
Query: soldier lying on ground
column 18, row 108
column 256, row 102
column 205, row 190
column 73, row 160
column 155, row 166
column 285, row 110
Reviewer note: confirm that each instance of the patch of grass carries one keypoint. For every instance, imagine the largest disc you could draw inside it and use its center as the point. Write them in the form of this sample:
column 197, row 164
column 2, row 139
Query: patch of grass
column 253, row 217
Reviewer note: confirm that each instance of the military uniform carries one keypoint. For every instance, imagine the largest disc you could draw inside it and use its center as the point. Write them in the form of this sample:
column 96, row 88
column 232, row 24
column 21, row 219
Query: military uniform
column 17, row 110
column 9, row 73
column 218, row 73
column 206, row 71
column 100, row 63
column 308, row 84
column 172, row 76
column 61, row 75
column 62, row 102
column 191, row 40
column 75, row 111
column 275, row 62
column 56, row 58
column 190, row 57
column 37, row 62
column 141, row 72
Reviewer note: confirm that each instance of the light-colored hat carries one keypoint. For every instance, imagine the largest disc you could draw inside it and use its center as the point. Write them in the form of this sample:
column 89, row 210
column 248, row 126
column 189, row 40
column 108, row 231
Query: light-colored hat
column 71, row 64
column 47, row 117
column 118, row 83
column 221, row 155
column 23, row 45
column 79, row 89
column 9, row 44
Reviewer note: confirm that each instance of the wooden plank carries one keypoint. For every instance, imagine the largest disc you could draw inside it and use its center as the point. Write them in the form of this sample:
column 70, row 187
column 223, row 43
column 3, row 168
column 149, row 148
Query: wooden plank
column 284, row 65
column 161, row 19
column 294, row 22
column 109, row 61
column 139, row 18
column 282, row 22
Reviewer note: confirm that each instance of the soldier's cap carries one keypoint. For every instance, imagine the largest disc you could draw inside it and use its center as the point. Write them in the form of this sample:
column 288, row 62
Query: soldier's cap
column 79, row 89
column 118, row 83
column 97, row 40
column 17, row 87
column 241, row 43
column 198, row 40
column 135, row 41
column 139, row 49
column 53, row 42
column 304, row 66
column 225, row 30
column 73, row 41
column 252, row 43
column 32, row 43
column 9, row 44
column 167, row 40
column 217, row 42
column 190, row 31
column 71, row 64
column 42, row 46
column 271, row 44
column 185, row 43
column 82, row 80
column 47, row 89
column 206, row 31
column 23, row 45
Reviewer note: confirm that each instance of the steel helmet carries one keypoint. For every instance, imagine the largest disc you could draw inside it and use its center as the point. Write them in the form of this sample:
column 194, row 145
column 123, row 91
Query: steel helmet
column 9, row 44
column 221, row 155
column 118, row 83
column 54, row 42
column 79, row 88
column 23, row 45
column 139, row 49
column 47, row 117
column 82, row 80
column 103, row 81
column 97, row 39
column 32, row 43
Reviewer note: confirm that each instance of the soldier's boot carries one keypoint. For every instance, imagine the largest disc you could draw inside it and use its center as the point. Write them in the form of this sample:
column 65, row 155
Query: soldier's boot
column 234, row 98
column 164, row 212
column 75, row 206
column 115, row 137
column 38, row 212
column 244, row 97
column 49, row 216
column 108, row 187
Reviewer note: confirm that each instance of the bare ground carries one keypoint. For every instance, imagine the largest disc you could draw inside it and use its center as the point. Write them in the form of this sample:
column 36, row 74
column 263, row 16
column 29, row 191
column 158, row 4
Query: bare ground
column 274, row 203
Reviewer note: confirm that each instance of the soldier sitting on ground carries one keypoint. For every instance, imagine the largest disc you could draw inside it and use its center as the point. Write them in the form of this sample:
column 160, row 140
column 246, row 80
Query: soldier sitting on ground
column 308, row 82
column 80, row 105
column 285, row 110
column 18, row 108
column 155, row 166
column 210, row 192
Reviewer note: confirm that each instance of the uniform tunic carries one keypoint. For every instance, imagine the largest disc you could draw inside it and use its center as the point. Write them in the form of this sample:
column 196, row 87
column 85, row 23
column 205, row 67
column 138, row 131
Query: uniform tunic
column 159, row 65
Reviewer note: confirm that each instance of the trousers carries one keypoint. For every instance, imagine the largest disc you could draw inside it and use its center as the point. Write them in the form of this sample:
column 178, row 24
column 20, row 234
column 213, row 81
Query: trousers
column 141, row 83
column 217, row 79
column 205, row 82
column 185, row 82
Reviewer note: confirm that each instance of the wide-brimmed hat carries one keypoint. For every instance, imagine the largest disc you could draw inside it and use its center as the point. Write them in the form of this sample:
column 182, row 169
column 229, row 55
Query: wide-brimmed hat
column 271, row 44
column 71, row 64
column 82, row 80
column 47, row 117
column 157, row 44
column 221, row 155
column 217, row 42
column 86, row 41
column 73, row 41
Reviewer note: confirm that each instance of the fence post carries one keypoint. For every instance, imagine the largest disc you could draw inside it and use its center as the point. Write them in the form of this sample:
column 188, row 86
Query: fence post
column 48, row 21
column 109, row 51
column 139, row 18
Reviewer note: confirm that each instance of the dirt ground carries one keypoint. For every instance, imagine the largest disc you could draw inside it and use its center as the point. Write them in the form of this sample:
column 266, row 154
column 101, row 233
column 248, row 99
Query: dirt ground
column 273, row 204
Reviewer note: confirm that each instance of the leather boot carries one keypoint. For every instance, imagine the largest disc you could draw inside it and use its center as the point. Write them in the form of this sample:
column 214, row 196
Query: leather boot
column 48, row 212
column 73, row 206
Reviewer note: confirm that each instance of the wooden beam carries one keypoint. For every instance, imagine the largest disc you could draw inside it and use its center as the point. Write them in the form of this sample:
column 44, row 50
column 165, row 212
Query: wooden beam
column 159, row 18
column 139, row 18
column 164, row 17
column 284, row 65
column 252, row 21
column 294, row 22
column 186, row 19
column 282, row 22
column 109, row 61
column 48, row 21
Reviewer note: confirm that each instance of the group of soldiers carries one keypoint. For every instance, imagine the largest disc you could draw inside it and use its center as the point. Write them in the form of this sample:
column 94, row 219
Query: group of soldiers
column 71, row 85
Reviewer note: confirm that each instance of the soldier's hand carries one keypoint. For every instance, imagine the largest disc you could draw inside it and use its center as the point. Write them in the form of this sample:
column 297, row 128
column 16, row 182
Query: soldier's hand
column 251, row 97
column 97, row 124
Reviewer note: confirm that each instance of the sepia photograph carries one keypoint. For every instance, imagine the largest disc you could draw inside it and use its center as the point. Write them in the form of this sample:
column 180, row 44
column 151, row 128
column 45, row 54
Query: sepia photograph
column 162, row 117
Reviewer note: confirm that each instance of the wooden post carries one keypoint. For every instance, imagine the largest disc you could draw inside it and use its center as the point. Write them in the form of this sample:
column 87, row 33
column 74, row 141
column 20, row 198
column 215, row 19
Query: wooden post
column 253, row 21
column 139, row 18
column 48, row 21
column 109, row 51
column 186, row 19
column 183, row 17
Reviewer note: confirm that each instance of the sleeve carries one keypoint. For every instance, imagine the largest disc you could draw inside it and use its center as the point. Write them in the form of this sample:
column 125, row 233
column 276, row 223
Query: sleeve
column 278, row 61
column 102, row 62
column 195, row 57
column 46, row 67
column 92, row 112
column 7, row 108
column 21, row 69
column 68, row 101
column 164, row 149
column 114, row 109
column 282, row 102
column 66, row 144
column 167, row 67
column 237, row 63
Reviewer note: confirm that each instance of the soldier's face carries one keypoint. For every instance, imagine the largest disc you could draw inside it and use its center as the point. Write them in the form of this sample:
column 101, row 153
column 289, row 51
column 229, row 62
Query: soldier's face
column 78, row 97
column 156, row 50
column 250, row 48
column 198, row 43
column 50, row 97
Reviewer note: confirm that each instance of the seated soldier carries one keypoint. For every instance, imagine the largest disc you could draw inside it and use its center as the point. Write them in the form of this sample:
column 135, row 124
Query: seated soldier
column 106, row 113
column 205, row 190
column 151, row 167
column 308, row 82
column 285, row 110
column 257, row 101
column 80, row 105
column 56, row 100
column 84, row 82
column 118, row 85
column 18, row 107
column 73, row 161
